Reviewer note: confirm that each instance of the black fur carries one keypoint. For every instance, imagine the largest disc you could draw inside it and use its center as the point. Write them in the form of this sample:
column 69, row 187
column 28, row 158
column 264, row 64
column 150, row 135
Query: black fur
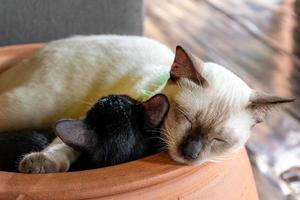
column 116, row 129
column 13, row 145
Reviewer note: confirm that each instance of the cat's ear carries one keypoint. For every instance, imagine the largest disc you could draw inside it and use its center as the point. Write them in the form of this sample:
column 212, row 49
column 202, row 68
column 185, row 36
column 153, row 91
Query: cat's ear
column 186, row 65
column 74, row 133
column 261, row 103
column 156, row 109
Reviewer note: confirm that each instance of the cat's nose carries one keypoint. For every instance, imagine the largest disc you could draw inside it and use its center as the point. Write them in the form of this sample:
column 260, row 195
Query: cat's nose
column 191, row 147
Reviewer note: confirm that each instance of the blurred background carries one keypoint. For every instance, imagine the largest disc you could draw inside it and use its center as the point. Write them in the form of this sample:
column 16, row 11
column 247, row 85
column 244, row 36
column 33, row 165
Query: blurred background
column 260, row 41
column 257, row 39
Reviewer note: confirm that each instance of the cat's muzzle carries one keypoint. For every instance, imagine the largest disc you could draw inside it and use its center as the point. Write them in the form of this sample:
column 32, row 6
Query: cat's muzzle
column 191, row 147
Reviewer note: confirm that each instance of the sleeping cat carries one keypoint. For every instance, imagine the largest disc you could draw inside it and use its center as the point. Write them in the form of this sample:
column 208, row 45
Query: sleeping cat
column 211, row 109
column 116, row 129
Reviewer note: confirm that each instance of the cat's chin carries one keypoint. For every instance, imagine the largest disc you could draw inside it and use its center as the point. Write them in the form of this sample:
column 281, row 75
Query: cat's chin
column 174, row 155
column 188, row 162
column 179, row 159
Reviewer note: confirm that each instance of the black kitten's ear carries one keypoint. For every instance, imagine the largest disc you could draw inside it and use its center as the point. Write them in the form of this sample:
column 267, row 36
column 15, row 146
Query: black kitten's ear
column 74, row 133
column 155, row 109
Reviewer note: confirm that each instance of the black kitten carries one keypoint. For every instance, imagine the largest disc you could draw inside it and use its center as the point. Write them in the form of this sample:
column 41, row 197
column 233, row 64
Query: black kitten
column 116, row 129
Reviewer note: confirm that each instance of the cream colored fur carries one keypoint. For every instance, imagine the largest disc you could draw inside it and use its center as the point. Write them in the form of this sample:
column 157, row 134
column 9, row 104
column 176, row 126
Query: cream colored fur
column 57, row 157
column 66, row 77
column 220, row 109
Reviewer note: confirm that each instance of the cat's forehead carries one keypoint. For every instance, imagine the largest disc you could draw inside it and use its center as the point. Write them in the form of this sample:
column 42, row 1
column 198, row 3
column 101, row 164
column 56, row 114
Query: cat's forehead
column 224, row 96
column 116, row 100
column 114, row 103
column 223, row 80
column 113, row 113
column 224, row 89
column 112, row 109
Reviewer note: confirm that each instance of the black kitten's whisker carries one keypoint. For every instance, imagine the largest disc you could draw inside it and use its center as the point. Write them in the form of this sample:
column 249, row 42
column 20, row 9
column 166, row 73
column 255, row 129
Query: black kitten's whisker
column 151, row 138
column 109, row 133
column 163, row 148
column 152, row 131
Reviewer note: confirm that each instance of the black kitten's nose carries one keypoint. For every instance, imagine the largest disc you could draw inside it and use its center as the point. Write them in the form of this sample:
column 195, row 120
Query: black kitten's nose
column 191, row 147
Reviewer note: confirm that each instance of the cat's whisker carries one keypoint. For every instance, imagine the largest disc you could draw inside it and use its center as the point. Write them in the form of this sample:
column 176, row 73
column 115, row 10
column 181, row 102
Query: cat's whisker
column 150, row 138
column 152, row 131
column 88, row 103
column 163, row 148
column 221, row 158
column 214, row 161
column 155, row 128
column 170, row 140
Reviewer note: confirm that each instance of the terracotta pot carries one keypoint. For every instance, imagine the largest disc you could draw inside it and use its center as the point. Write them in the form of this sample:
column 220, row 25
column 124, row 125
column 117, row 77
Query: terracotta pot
column 154, row 177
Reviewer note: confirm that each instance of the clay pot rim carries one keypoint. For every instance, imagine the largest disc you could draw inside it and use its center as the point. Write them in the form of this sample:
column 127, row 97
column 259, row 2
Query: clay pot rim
column 133, row 175
column 130, row 176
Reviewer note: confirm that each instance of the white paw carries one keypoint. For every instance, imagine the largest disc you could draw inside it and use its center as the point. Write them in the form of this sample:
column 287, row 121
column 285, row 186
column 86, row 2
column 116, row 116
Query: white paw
column 38, row 162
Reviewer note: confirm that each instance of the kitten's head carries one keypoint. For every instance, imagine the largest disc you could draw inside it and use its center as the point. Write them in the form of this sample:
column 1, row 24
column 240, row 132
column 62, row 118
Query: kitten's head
column 112, row 128
column 212, row 110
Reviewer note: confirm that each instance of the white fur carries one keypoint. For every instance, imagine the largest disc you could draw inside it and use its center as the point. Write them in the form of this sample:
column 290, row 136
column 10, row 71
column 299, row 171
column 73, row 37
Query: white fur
column 67, row 76
column 57, row 157
column 224, row 100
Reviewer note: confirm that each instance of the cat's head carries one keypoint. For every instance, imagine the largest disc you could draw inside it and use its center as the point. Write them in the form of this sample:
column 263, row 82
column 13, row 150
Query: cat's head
column 113, row 126
column 212, row 110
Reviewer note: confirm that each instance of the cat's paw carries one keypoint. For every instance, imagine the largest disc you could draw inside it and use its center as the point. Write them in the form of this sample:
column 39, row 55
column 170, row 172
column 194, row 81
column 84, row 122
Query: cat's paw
column 38, row 162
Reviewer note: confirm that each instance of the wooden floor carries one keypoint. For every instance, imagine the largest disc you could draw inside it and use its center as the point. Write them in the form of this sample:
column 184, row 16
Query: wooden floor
column 253, row 38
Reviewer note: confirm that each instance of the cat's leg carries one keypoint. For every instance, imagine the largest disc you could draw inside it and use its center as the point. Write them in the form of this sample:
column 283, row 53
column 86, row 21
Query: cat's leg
column 57, row 157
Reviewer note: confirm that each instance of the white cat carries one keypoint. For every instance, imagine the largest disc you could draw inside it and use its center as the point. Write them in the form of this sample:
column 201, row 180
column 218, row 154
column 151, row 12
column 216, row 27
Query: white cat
column 211, row 112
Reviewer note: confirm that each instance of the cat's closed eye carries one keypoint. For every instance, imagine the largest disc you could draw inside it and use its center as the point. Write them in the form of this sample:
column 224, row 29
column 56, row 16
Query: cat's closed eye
column 183, row 114
column 219, row 140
